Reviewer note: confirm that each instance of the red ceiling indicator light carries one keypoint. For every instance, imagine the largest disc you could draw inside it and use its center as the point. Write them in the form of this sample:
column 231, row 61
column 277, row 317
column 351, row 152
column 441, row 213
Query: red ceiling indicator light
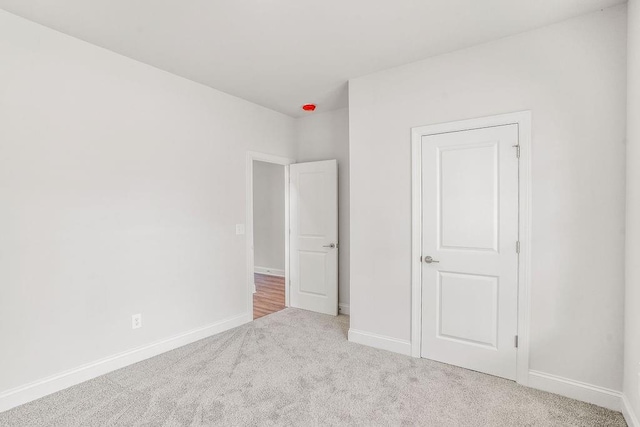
column 309, row 107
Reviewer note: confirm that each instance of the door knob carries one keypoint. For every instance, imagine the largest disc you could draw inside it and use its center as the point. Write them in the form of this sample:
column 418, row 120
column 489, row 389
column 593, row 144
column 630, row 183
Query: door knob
column 332, row 245
column 429, row 260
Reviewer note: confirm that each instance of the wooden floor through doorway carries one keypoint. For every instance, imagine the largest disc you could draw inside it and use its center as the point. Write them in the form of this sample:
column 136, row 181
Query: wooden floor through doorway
column 269, row 296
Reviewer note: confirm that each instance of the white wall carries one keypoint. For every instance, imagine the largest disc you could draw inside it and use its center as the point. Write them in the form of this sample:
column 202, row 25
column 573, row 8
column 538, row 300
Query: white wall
column 120, row 187
column 572, row 77
column 268, row 215
column 632, row 296
column 324, row 136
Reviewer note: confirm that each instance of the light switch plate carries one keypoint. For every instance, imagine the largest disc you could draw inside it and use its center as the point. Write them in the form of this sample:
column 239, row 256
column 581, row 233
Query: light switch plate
column 136, row 321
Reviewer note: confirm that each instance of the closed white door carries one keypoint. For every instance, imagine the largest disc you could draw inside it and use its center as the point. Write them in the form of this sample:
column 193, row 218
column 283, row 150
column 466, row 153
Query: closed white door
column 470, row 233
column 314, row 236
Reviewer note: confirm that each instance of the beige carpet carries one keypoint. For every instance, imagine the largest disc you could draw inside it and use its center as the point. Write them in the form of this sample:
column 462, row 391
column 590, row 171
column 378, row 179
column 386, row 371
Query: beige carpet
column 297, row 368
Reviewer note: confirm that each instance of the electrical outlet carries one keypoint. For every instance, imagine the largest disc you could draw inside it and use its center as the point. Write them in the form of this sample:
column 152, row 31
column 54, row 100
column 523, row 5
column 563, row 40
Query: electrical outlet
column 239, row 229
column 136, row 321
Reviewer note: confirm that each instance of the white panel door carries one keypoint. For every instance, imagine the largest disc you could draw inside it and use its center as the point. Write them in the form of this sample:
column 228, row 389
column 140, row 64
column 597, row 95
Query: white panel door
column 470, row 231
column 314, row 236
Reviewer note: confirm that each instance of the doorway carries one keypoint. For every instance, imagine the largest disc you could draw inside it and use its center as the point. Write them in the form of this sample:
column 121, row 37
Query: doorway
column 310, row 233
column 471, row 244
column 269, row 236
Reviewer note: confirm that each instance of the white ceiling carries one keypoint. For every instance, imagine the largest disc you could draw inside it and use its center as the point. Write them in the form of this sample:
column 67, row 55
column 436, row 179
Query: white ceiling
column 284, row 53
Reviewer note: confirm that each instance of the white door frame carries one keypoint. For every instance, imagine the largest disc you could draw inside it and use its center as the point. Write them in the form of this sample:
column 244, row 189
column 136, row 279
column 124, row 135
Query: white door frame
column 523, row 120
column 284, row 161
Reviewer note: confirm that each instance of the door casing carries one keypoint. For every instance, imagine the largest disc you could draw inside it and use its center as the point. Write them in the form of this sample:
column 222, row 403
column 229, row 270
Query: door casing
column 523, row 120
column 284, row 161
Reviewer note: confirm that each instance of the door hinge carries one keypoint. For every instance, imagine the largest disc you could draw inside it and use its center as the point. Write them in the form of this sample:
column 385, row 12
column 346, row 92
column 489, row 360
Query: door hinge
column 518, row 247
column 516, row 341
column 517, row 147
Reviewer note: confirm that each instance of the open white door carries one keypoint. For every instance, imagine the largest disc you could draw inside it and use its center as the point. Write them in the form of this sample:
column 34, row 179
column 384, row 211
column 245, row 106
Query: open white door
column 470, row 249
column 313, row 193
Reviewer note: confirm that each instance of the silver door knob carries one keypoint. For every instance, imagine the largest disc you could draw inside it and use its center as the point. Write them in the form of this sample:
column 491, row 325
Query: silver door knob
column 429, row 260
column 332, row 245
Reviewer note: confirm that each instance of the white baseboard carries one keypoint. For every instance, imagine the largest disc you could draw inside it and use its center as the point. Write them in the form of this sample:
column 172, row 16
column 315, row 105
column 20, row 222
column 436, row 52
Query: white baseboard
column 343, row 309
column 380, row 341
column 629, row 416
column 597, row 395
column 37, row 389
column 268, row 271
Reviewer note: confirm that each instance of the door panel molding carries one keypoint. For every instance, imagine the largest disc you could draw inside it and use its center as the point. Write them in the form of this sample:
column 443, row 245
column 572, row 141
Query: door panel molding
column 523, row 120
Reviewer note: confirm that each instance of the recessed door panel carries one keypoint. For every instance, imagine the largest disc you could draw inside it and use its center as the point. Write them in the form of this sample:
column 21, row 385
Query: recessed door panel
column 311, row 210
column 468, row 308
column 469, row 182
column 312, row 272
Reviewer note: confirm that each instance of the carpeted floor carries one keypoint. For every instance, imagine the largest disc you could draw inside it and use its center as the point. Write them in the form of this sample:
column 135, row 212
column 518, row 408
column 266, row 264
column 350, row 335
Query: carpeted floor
column 297, row 368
